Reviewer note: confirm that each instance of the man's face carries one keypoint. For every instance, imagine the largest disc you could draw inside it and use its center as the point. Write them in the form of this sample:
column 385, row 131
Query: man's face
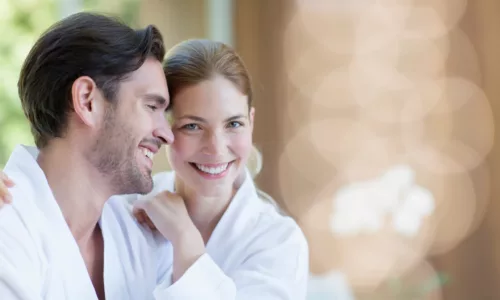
column 133, row 130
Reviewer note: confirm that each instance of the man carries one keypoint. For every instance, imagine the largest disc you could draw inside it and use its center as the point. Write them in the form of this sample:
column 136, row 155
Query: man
column 94, row 93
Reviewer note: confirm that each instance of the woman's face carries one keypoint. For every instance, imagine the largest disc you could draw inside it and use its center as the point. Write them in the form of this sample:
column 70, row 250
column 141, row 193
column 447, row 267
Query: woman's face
column 213, row 126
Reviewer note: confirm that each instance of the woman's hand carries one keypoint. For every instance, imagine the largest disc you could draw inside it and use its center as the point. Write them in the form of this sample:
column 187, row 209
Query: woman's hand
column 167, row 213
column 5, row 184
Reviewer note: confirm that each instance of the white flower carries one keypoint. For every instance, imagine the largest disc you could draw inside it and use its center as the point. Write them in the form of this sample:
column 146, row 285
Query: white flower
column 364, row 206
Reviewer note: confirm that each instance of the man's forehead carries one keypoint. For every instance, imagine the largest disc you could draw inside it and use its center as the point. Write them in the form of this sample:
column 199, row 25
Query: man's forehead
column 149, row 74
column 148, row 87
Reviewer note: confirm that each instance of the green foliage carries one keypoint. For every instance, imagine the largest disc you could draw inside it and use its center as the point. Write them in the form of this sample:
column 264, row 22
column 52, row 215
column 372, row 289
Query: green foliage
column 418, row 291
column 22, row 21
column 401, row 289
column 127, row 10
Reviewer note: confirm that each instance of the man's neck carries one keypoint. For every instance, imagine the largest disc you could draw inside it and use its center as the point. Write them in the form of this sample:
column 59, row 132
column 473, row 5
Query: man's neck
column 77, row 189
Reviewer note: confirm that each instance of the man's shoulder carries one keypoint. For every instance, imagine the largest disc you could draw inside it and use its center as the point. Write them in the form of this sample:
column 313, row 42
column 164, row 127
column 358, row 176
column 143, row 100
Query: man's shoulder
column 19, row 243
column 21, row 227
column 18, row 218
column 21, row 255
column 23, row 211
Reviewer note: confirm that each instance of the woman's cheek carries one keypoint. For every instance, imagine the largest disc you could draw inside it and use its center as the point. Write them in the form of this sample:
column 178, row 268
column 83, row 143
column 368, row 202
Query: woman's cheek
column 242, row 145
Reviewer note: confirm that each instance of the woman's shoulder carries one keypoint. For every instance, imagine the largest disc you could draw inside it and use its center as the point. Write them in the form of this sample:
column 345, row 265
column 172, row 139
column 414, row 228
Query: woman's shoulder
column 263, row 215
column 274, row 236
column 279, row 226
column 273, row 224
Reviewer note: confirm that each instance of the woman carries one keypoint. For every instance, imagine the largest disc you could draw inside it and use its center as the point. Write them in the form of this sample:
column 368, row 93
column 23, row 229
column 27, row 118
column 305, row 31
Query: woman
column 225, row 242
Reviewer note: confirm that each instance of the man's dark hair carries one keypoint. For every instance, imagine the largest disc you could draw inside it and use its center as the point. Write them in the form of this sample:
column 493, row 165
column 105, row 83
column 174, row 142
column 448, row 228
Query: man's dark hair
column 83, row 44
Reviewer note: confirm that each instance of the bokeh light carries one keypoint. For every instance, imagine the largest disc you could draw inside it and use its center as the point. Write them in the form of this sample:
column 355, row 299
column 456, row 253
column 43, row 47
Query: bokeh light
column 381, row 87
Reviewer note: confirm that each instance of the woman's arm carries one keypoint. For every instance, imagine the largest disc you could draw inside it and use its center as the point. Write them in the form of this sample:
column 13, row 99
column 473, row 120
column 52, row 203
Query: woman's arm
column 167, row 213
column 278, row 271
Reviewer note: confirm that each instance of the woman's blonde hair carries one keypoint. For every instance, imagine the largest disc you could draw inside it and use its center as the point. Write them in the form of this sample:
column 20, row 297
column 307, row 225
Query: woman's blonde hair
column 193, row 61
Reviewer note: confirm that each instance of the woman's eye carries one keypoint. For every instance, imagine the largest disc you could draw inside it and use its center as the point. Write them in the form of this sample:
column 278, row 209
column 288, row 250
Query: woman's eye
column 152, row 107
column 190, row 127
column 235, row 124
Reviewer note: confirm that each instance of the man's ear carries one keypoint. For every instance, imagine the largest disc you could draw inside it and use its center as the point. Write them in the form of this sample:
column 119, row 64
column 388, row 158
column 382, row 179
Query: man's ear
column 88, row 102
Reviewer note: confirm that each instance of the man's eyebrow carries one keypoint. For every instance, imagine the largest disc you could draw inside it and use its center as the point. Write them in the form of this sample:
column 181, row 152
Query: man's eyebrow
column 160, row 100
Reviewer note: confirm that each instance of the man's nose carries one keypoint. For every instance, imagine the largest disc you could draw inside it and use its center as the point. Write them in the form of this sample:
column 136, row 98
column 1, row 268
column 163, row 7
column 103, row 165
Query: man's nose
column 164, row 132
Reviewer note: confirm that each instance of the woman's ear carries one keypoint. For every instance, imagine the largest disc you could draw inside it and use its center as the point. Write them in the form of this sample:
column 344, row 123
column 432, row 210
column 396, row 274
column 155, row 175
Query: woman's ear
column 254, row 163
column 251, row 116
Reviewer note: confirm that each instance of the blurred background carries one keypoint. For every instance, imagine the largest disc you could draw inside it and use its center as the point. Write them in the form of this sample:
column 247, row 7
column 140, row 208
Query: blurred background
column 374, row 121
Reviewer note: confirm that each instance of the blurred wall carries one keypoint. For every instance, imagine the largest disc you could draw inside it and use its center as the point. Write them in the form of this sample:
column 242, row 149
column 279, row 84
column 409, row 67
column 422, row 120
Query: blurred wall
column 261, row 32
column 262, row 35
column 177, row 19
column 475, row 264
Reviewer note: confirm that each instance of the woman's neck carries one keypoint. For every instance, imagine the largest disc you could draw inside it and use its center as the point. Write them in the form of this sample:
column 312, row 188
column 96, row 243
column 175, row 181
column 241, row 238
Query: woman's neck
column 204, row 211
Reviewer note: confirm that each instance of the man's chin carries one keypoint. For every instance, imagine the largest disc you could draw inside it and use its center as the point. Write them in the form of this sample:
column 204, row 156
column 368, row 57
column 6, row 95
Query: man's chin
column 146, row 185
column 139, row 183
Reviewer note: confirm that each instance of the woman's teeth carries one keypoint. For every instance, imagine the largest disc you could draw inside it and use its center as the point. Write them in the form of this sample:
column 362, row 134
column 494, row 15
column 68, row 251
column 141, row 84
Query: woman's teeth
column 212, row 170
column 148, row 153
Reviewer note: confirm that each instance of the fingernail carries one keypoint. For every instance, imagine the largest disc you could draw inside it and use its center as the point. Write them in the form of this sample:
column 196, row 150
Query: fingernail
column 8, row 198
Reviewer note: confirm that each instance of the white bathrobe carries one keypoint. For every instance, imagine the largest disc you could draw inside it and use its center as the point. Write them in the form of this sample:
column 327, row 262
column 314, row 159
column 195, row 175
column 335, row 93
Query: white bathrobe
column 40, row 259
column 253, row 253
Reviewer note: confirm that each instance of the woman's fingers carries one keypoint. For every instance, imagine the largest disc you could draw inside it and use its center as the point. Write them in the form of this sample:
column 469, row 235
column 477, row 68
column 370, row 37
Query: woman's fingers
column 150, row 224
column 5, row 184
column 7, row 198
column 6, row 180
column 143, row 218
